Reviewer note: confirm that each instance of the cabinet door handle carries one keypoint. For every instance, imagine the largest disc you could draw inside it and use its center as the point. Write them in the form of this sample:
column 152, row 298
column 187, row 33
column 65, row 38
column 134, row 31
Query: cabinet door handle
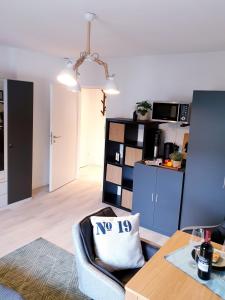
column 156, row 198
column 152, row 197
column 223, row 183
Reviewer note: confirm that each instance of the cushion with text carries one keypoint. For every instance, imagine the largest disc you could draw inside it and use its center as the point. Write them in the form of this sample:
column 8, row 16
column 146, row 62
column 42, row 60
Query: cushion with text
column 117, row 242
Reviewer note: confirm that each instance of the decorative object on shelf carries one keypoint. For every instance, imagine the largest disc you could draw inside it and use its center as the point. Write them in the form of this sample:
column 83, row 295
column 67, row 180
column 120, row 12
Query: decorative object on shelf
column 185, row 145
column 69, row 75
column 168, row 149
column 169, row 163
column 117, row 157
column 103, row 103
column 143, row 108
column 176, row 158
column 155, row 162
column 135, row 116
column 156, row 144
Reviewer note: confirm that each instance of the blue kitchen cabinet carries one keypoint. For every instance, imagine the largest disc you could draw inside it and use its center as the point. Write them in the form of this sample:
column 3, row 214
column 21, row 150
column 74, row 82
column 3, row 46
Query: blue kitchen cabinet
column 157, row 197
column 168, row 200
column 143, row 193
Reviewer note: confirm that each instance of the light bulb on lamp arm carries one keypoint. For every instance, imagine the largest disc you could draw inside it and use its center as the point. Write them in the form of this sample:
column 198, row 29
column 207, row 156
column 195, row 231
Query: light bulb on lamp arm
column 110, row 86
column 77, row 87
column 67, row 75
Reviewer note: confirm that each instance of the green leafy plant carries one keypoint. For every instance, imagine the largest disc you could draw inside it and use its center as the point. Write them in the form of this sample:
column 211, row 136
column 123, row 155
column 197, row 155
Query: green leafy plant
column 143, row 107
column 176, row 156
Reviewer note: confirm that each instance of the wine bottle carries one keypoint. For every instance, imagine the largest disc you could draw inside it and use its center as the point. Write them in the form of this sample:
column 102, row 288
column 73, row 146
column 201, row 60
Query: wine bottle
column 205, row 258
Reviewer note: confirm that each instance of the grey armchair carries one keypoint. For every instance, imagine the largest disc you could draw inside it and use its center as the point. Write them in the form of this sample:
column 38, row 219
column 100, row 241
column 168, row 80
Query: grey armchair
column 93, row 280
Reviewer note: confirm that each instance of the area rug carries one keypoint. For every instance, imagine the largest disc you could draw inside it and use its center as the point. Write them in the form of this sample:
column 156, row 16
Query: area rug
column 41, row 270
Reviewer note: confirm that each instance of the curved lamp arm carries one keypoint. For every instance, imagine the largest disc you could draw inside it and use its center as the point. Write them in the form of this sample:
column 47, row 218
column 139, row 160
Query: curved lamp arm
column 78, row 63
column 105, row 66
column 97, row 60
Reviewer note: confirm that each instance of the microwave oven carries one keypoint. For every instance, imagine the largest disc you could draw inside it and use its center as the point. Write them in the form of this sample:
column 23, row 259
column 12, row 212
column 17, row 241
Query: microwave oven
column 171, row 112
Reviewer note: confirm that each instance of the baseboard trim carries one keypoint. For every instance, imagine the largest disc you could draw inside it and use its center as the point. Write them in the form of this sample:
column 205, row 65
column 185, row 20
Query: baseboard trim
column 16, row 204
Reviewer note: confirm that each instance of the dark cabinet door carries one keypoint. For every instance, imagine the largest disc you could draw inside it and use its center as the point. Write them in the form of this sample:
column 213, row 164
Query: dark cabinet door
column 143, row 193
column 20, row 131
column 167, row 201
column 204, row 193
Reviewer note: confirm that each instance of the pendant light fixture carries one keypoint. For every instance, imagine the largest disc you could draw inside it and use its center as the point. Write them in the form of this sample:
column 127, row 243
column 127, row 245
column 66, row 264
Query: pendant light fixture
column 66, row 76
column 69, row 75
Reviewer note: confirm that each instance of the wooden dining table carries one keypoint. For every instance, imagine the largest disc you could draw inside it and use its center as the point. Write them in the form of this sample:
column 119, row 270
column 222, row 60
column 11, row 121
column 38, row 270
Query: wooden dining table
column 158, row 279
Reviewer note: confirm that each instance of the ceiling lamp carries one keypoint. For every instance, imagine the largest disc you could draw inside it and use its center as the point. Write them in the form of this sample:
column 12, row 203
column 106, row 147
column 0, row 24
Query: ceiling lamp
column 69, row 75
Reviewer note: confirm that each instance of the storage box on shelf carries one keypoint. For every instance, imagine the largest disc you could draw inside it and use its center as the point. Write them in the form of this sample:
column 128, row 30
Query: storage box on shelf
column 132, row 155
column 126, row 199
column 114, row 174
column 126, row 142
column 116, row 132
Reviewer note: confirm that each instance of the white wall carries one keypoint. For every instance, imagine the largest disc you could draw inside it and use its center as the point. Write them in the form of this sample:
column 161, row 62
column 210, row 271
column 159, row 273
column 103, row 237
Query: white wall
column 41, row 69
column 92, row 128
column 164, row 78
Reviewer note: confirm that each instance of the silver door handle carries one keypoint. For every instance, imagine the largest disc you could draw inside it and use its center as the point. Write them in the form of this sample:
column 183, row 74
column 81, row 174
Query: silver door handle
column 156, row 198
column 152, row 197
column 223, row 183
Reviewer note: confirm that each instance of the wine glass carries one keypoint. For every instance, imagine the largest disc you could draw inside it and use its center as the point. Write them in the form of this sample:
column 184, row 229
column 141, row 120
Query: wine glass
column 196, row 239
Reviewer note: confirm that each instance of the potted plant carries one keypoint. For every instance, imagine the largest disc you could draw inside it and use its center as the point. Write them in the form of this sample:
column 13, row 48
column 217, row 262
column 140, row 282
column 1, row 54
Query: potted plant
column 143, row 109
column 176, row 158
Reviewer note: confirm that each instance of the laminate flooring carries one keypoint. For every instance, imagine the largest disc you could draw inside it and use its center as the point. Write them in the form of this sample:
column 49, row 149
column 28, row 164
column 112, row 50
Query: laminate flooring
column 51, row 215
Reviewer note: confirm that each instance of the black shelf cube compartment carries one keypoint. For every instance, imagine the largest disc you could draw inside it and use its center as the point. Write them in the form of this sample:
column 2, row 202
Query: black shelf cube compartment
column 133, row 135
column 127, row 178
column 112, row 194
column 114, row 149
column 150, row 135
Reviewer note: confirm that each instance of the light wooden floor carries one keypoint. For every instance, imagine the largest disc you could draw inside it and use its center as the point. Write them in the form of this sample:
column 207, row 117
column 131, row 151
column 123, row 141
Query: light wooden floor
column 51, row 215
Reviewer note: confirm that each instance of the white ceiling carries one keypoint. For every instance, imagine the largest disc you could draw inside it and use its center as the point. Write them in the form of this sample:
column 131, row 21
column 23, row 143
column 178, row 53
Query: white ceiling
column 123, row 27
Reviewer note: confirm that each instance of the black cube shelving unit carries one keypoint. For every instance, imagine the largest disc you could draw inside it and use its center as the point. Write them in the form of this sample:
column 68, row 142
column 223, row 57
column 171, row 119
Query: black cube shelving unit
column 126, row 142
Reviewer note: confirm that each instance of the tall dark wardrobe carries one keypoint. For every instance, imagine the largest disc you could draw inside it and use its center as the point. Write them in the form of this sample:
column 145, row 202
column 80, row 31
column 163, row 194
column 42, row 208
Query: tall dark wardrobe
column 204, row 188
column 16, row 140
column 20, row 139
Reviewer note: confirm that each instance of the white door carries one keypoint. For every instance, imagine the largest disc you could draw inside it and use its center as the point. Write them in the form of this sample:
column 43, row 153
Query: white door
column 63, row 136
